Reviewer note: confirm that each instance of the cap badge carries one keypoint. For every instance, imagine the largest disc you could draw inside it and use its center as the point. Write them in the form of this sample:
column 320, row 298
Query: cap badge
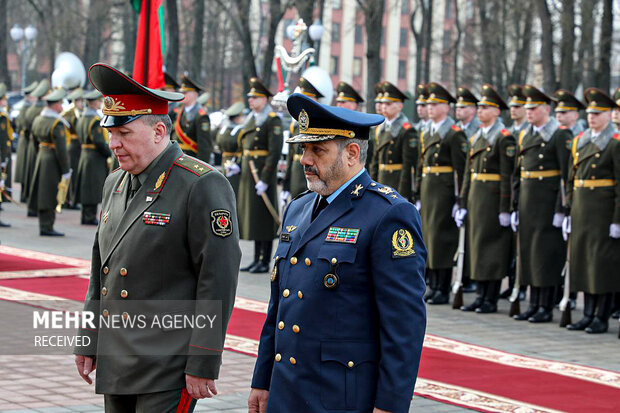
column 112, row 105
column 304, row 120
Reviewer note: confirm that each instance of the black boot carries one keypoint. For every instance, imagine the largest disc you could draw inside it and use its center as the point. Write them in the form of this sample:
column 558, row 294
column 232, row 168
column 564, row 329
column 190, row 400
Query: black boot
column 491, row 295
column 589, row 304
column 442, row 295
column 4, row 225
column 265, row 257
column 600, row 324
column 616, row 310
column 487, row 307
column 473, row 306
column 534, row 297
column 432, row 285
column 544, row 314
column 256, row 257
column 51, row 233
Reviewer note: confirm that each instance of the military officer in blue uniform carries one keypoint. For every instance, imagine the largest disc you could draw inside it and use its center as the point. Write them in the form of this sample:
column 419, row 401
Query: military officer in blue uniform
column 346, row 319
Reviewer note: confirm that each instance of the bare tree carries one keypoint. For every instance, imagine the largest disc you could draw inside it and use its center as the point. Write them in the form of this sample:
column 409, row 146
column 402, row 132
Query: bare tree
column 198, row 36
column 604, row 63
column 585, row 73
column 548, row 65
column 4, row 71
column 305, row 8
column 567, row 46
column 93, row 42
column 172, row 49
column 423, row 38
column 277, row 8
column 373, row 21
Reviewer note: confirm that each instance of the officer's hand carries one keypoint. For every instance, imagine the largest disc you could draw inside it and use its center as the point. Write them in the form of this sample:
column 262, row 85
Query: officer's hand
column 232, row 169
column 566, row 228
column 257, row 402
column 260, row 187
column 614, row 231
column 66, row 176
column 459, row 217
column 85, row 365
column 284, row 198
column 377, row 410
column 558, row 218
column 418, row 205
column 200, row 387
column 514, row 221
column 454, row 209
column 504, row 219
column 1, row 183
column 2, row 165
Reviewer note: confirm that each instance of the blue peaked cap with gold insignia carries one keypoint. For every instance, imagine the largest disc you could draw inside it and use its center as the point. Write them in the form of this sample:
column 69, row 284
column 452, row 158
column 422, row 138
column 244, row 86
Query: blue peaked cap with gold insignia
column 318, row 122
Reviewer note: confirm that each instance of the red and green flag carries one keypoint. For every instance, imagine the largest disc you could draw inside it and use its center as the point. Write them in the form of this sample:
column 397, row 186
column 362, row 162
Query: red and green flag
column 148, row 62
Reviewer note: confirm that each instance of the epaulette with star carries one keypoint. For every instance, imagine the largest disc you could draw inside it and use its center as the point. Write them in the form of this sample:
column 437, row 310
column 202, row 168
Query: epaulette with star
column 505, row 132
column 176, row 110
column 456, row 128
column 562, row 127
column 272, row 114
column 195, row 166
column 202, row 112
column 616, row 136
column 387, row 193
column 407, row 125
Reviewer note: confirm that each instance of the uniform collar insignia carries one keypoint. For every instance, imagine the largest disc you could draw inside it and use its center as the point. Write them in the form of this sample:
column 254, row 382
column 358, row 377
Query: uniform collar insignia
column 159, row 181
column 357, row 190
column 291, row 228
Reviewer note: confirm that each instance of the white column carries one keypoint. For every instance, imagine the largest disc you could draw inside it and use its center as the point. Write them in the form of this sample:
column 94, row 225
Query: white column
column 392, row 40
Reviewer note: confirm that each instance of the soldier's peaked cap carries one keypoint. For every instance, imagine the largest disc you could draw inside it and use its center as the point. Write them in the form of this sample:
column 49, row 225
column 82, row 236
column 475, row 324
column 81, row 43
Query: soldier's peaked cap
column 318, row 122
column 258, row 89
column 465, row 98
column 422, row 94
column 28, row 89
column 490, row 97
column 188, row 85
column 308, row 88
column 439, row 94
column 346, row 93
column 170, row 81
column 598, row 101
column 616, row 96
column 517, row 98
column 125, row 100
column 567, row 102
column 535, row 97
column 391, row 93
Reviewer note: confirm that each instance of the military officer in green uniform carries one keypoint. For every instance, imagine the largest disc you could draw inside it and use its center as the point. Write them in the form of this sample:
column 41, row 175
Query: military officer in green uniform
column 72, row 115
column 567, row 111
column 485, row 201
column 93, row 167
column 192, row 126
column 615, row 112
column 171, row 85
column 228, row 141
column 374, row 130
column 294, row 182
column 261, row 140
column 33, row 146
column 443, row 149
column 6, row 137
column 347, row 97
column 167, row 239
column 22, row 143
column 420, row 107
column 49, row 130
column 517, row 110
column 539, row 203
column 396, row 145
column 594, row 220
column 466, row 111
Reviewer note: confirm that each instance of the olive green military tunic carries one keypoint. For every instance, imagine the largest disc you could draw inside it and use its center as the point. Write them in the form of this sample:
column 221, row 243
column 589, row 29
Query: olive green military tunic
column 396, row 155
column 228, row 140
column 485, row 194
column 92, row 168
column 6, row 139
column 541, row 166
column 262, row 143
column 192, row 129
column 22, row 145
column 74, row 149
column 471, row 128
column 33, row 145
column 594, row 198
column 295, row 178
column 442, row 156
column 50, row 131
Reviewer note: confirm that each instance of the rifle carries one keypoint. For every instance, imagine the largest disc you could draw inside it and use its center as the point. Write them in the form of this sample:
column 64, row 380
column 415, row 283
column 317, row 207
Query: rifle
column 514, row 297
column 61, row 196
column 565, row 303
column 4, row 191
column 266, row 200
column 457, row 272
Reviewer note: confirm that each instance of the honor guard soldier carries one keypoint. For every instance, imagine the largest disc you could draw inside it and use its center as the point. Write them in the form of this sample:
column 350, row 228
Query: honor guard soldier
column 93, row 167
column 443, row 148
column 261, row 141
column 378, row 97
column 615, row 113
column 33, row 146
column 228, row 141
column 171, row 85
column 396, row 147
column 567, row 111
column 49, row 130
column 347, row 97
column 22, row 143
column 420, row 107
column 485, row 201
column 192, row 125
column 466, row 111
column 294, row 182
column 517, row 110
column 71, row 115
column 167, row 244
column 539, row 204
column 340, row 343
column 594, row 221
column 6, row 138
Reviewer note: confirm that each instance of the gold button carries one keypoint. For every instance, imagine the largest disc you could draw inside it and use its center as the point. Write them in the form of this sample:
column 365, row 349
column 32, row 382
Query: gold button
column 542, row 145
column 123, row 272
column 106, row 270
column 104, row 291
column 540, row 178
column 295, row 328
column 278, row 357
column 436, row 155
column 593, row 165
column 598, row 155
column 125, row 315
column 300, row 294
column 577, row 154
column 334, row 260
column 292, row 360
column 281, row 325
column 285, row 293
column 293, row 260
column 350, row 364
column 389, row 152
column 105, row 313
column 257, row 129
column 540, row 167
column 541, row 155
column 124, row 293
column 488, row 150
column 484, row 170
column 391, row 142
column 471, row 170
column 373, row 184
column 308, row 262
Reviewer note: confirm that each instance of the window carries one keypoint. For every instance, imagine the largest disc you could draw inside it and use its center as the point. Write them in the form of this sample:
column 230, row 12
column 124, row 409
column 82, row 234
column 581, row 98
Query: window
column 336, row 4
column 402, row 69
column 404, row 9
column 335, row 32
column 358, row 34
column 333, row 65
column 404, row 32
column 357, row 66
column 383, row 35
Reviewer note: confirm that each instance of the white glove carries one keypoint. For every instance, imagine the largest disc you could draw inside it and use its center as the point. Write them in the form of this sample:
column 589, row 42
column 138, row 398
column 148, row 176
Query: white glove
column 459, row 217
column 232, row 169
column 3, row 165
column 558, row 218
column 260, row 187
column 514, row 221
column 2, row 183
column 566, row 228
column 66, row 176
column 284, row 198
column 454, row 209
column 418, row 205
column 614, row 231
column 504, row 219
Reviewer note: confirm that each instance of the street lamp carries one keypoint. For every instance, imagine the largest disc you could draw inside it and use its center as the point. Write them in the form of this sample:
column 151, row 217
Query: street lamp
column 315, row 31
column 18, row 34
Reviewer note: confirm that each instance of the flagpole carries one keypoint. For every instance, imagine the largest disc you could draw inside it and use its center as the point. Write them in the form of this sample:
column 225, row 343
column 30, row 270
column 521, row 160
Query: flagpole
column 147, row 42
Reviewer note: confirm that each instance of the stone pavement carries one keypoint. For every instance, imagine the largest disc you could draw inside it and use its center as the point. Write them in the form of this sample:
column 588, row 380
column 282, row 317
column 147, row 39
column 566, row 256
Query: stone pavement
column 51, row 384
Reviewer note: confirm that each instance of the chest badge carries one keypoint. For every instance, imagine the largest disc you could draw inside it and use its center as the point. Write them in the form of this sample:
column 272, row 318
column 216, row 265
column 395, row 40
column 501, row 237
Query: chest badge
column 357, row 190
column 220, row 223
column 155, row 218
column 106, row 216
column 291, row 228
column 345, row 235
column 330, row 281
column 402, row 244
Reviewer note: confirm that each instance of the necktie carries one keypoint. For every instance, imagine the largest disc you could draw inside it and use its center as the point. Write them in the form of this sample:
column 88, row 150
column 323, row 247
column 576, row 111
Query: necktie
column 319, row 207
column 135, row 185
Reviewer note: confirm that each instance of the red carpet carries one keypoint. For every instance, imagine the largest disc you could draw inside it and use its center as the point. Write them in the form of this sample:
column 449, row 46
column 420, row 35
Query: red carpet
column 463, row 378
column 14, row 263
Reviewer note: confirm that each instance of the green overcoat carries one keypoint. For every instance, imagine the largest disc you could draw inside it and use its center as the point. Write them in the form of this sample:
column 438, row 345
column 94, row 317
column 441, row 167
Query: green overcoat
column 92, row 168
